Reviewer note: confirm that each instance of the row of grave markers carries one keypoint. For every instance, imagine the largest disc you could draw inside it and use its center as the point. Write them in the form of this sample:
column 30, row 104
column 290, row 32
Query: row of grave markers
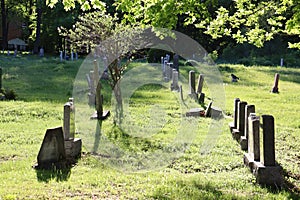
column 245, row 128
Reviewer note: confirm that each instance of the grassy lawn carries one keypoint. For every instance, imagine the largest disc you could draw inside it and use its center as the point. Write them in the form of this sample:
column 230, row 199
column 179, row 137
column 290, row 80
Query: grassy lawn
column 43, row 85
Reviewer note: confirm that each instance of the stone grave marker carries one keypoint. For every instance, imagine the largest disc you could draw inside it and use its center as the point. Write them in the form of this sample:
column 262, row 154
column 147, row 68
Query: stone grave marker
column 42, row 52
column 72, row 145
column 253, row 139
column 195, row 112
column 69, row 120
column 275, row 86
column 176, row 62
column 181, row 93
column 233, row 125
column 237, row 133
column 199, row 89
column 52, row 151
column 60, row 55
column 192, row 92
column 208, row 110
column 244, row 138
column 268, row 158
column 174, row 84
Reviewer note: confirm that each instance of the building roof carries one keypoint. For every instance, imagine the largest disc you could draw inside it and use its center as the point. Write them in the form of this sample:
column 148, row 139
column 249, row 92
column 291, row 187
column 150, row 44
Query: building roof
column 17, row 41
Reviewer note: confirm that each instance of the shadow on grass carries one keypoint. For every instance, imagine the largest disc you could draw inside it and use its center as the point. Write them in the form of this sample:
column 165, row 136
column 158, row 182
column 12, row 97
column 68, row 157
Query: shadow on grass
column 186, row 190
column 59, row 175
column 293, row 190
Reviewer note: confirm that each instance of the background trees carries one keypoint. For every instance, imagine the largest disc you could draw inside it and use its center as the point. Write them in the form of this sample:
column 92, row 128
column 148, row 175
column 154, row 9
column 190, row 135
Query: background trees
column 213, row 23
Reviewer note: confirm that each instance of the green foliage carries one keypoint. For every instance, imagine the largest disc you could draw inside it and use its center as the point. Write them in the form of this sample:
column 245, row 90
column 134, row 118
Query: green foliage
column 90, row 29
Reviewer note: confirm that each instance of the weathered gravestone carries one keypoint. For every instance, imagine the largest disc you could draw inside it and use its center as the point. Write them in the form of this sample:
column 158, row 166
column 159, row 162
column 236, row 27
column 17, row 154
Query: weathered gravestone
column 176, row 62
column 192, row 92
column 264, row 167
column 244, row 138
column 174, row 84
column 199, row 89
column 195, row 112
column 239, row 131
column 275, row 86
column 52, row 152
column 208, row 110
column 233, row 125
column 72, row 145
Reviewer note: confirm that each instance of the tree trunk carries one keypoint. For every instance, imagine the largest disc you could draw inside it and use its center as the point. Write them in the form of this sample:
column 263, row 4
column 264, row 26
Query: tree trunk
column 4, row 25
column 38, row 31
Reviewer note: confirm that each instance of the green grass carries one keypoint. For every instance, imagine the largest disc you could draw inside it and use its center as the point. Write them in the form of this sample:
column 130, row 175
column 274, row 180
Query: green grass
column 43, row 85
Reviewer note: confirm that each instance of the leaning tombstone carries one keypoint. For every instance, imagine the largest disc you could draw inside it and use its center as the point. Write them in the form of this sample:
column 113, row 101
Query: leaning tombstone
column 52, row 152
column 275, row 86
column 208, row 110
column 199, row 89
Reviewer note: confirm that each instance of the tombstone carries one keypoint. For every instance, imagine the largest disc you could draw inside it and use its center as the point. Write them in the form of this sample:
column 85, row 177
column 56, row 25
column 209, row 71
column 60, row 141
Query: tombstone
column 72, row 56
column 174, row 84
column 208, row 110
column 192, row 92
column 244, row 139
column 69, row 120
column 281, row 62
column 15, row 53
column 199, row 89
column 61, row 55
column 72, row 145
column 268, row 158
column 195, row 112
column 275, row 86
column 181, row 93
column 233, row 125
column 239, row 131
column 42, row 52
column 96, row 74
column 52, row 152
column 91, row 94
column 170, row 70
column 8, row 52
column 253, row 141
column 216, row 113
column 176, row 62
